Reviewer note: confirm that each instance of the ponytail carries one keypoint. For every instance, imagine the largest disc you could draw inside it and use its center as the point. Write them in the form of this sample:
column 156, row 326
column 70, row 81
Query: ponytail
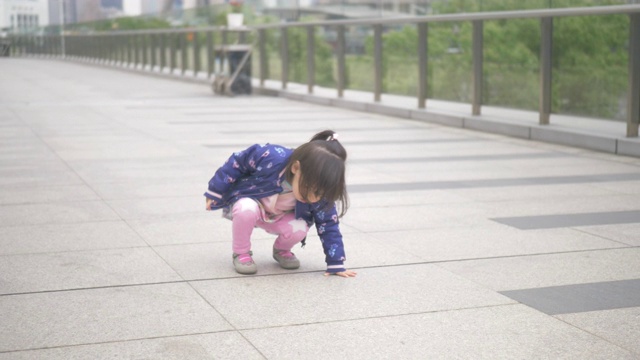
column 322, row 165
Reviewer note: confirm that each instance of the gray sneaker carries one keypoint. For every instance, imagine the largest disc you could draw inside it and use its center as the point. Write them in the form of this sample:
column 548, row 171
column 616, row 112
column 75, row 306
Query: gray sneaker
column 286, row 259
column 244, row 263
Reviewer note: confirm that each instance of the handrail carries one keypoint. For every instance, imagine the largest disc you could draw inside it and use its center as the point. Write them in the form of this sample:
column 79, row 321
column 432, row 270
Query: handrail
column 495, row 15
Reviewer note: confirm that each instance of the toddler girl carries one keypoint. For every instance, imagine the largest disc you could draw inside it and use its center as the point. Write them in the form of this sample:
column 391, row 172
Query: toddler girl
column 284, row 192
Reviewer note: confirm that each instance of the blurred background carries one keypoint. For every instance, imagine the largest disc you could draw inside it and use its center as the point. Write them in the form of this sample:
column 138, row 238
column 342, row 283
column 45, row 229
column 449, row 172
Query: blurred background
column 590, row 53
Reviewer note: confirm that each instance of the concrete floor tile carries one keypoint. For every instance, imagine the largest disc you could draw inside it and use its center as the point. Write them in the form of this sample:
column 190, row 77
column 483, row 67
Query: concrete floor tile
column 622, row 187
column 577, row 298
column 550, row 206
column 213, row 260
column 31, row 161
column 559, row 221
column 618, row 326
column 38, row 177
column 357, row 174
column 532, row 193
column 497, row 332
column 51, row 213
column 84, row 269
column 223, row 345
column 415, row 217
column 68, row 237
column 628, row 234
column 525, row 272
column 140, row 148
column 149, row 188
column 399, row 198
column 104, row 315
column 294, row 299
column 46, row 194
column 193, row 228
column 437, row 171
column 132, row 209
column 453, row 243
column 44, row 161
column 142, row 171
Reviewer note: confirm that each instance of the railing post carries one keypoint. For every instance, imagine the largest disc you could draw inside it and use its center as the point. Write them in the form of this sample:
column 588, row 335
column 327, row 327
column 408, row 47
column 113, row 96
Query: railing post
column 262, row 39
column 210, row 54
column 546, row 44
column 82, row 49
column 196, row 54
column 162, row 37
column 103, row 48
column 124, row 50
column 44, row 45
column 100, row 46
column 284, row 56
column 311, row 55
column 129, row 49
column 136, row 51
column 107, row 49
column 90, row 50
column 477, row 66
column 47, row 45
column 633, row 102
column 113, row 49
column 41, row 45
column 53, row 45
column 63, row 46
column 120, row 49
column 106, row 39
column 153, row 44
column 174, row 39
column 183, row 53
column 341, row 61
column 110, row 50
column 118, row 43
column 223, row 56
column 423, row 47
column 377, row 60
column 145, row 51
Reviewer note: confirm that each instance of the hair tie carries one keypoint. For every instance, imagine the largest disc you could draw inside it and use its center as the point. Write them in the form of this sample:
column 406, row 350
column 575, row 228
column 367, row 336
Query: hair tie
column 332, row 137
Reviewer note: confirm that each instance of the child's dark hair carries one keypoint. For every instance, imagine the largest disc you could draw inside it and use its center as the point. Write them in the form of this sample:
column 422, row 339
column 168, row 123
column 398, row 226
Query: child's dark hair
column 322, row 169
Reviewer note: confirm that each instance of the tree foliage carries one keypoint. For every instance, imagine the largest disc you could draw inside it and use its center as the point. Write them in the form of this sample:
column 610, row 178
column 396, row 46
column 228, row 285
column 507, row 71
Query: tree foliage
column 589, row 59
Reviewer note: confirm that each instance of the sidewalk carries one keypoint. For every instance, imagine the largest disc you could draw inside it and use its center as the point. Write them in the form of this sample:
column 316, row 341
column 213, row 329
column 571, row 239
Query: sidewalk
column 468, row 245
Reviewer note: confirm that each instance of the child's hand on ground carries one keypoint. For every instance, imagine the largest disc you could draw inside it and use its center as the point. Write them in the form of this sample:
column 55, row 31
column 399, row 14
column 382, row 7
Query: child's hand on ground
column 346, row 273
column 208, row 206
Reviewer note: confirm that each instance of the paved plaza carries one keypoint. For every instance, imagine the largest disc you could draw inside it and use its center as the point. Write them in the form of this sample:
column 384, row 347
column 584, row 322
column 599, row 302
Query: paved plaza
column 468, row 245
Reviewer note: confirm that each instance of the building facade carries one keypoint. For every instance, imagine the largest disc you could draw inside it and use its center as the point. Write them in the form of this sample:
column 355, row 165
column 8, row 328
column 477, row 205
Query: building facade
column 23, row 15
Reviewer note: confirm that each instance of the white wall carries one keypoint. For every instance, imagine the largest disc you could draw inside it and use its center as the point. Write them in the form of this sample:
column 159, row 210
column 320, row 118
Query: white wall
column 141, row 7
column 27, row 13
column 132, row 7
column 189, row 4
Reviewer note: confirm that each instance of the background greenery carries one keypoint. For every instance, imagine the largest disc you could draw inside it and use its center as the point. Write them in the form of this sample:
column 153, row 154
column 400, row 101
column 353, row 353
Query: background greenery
column 589, row 59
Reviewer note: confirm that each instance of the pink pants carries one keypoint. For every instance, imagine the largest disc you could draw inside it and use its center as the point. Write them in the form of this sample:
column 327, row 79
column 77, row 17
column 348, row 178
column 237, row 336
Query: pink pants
column 247, row 215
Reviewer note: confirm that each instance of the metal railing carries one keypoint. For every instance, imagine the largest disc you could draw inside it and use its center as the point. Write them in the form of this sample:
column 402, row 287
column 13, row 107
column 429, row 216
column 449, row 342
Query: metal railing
column 158, row 49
